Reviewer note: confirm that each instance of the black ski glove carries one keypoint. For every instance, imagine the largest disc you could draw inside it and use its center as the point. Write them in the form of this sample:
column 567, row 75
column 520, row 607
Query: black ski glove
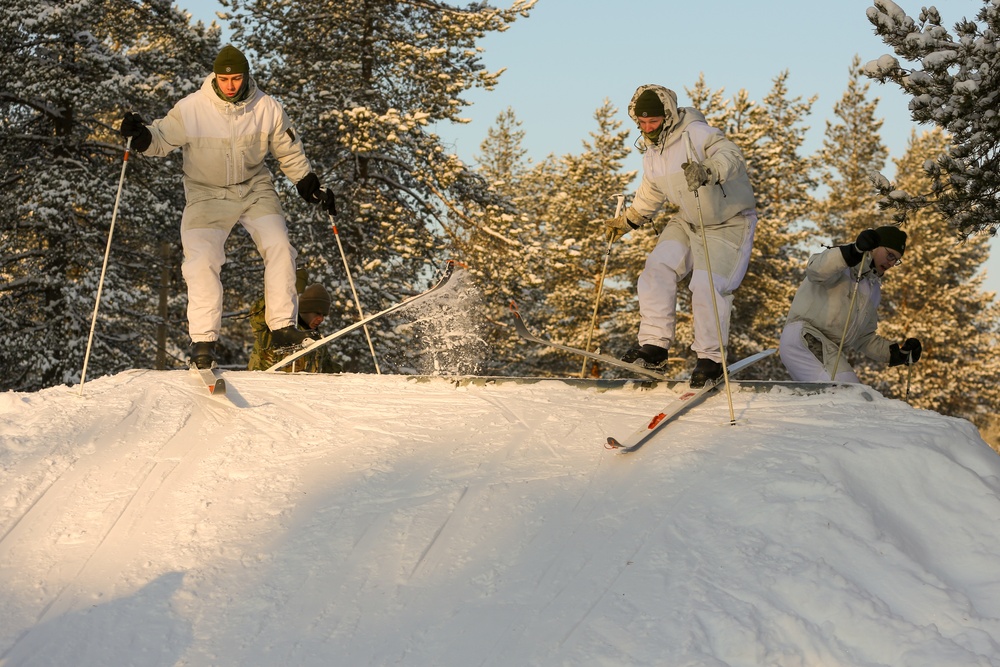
column 867, row 241
column 909, row 353
column 328, row 201
column 912, row 347
column 133, row 126
column 309, row 188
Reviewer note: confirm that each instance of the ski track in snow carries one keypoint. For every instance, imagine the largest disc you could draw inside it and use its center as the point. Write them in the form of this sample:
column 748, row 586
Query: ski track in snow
column 376, row 520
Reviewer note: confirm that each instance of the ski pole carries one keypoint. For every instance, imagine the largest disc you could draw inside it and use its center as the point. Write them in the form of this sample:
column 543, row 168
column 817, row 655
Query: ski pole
column 711, row 285
column 909, row 374
column 104, row 267
column 847, row 321
column 600, row 288
column 357, row 301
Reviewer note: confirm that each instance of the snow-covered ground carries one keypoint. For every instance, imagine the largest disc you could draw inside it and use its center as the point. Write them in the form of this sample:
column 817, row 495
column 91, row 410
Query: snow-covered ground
column 386, row 520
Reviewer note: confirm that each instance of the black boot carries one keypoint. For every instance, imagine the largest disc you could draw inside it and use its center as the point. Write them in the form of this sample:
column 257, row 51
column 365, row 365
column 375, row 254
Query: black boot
column 203, row 354
column 289, row 336
column 705, row 371
column 649, row 356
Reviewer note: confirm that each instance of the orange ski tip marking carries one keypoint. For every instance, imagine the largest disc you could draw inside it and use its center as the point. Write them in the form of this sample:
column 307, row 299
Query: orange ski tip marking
column 656, row 420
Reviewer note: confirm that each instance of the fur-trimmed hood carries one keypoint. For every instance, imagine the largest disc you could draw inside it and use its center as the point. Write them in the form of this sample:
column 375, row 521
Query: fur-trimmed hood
column 675, row 118
column 667, row 96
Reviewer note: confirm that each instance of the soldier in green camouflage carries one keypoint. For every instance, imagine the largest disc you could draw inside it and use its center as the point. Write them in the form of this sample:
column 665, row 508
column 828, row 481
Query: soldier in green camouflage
column 314, row 307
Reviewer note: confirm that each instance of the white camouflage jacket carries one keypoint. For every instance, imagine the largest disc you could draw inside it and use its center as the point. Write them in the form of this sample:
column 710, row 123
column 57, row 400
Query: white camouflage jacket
column 823, row 301
column 663, row 177
column 225, row 144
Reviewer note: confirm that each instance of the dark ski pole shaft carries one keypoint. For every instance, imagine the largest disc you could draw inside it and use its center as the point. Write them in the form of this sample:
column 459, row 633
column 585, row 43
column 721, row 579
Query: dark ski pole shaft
column 711, row 286
column 104, row 267
column 600, row 288
column 909, row 374
column 847, row 321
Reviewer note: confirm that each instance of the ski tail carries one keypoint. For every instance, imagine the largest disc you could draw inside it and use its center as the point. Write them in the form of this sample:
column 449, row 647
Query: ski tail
column 522, row 330
column 449, row 271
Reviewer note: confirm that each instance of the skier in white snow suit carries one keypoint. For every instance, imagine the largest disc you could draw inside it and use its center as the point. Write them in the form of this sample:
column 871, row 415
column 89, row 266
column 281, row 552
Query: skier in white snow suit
column 226, row 130
column 810, row 341
column 718, row 173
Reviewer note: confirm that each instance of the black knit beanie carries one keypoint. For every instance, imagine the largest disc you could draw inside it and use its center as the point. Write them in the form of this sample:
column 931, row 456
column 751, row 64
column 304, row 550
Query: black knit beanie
column 649, row 105
column 892, row 238
column 231, row 61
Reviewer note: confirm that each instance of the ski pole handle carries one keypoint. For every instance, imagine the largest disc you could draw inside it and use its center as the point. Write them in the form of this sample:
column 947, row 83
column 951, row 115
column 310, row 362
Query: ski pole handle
column 689, row 149
column 621, row 202
column 323, row 194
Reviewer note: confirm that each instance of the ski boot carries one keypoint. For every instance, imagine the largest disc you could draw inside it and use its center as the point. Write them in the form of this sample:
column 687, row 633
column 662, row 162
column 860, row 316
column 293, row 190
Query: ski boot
column 705, row 371
column 292, row 336
column 203, row 354
column 648, row 356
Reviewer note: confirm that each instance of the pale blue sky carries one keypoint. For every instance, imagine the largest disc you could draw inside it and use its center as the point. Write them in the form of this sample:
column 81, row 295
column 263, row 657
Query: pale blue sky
column 569, row 55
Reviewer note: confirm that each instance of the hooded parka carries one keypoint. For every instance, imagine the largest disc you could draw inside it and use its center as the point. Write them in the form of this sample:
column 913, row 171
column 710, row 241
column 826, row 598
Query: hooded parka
column 727, row 208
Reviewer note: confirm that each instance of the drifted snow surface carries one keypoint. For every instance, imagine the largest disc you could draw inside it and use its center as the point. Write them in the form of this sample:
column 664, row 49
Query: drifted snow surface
column 385, row 520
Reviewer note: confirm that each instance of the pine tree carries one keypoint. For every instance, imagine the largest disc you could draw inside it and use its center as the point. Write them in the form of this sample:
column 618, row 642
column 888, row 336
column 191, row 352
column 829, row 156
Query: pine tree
column 579, row 194
column 852, row 151
column 503, row 161
column 952, row 85
column 67, row 75
column 532, row 198
column 936, row 295
column 366, row 81
column 505, row 252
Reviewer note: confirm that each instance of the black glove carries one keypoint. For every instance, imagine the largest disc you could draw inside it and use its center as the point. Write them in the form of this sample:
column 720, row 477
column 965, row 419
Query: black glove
column 308, row 188
column 867, row 241
column 909, row 353
column 132, row 126
column 912, row 347
column 328, row 201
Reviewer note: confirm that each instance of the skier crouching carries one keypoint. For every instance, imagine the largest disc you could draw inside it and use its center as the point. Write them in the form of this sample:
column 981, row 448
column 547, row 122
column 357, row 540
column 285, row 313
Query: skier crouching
column 314, row 308
column 842, row 289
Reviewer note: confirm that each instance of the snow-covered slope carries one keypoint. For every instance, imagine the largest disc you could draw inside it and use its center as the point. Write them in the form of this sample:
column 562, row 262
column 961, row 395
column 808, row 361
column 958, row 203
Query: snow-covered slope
column 367, row 520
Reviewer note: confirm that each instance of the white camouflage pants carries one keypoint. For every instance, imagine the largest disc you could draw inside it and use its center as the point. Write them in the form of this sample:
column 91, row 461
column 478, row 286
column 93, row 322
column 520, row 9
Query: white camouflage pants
column 205, row 226
column 803, row 364
column 680, row 251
